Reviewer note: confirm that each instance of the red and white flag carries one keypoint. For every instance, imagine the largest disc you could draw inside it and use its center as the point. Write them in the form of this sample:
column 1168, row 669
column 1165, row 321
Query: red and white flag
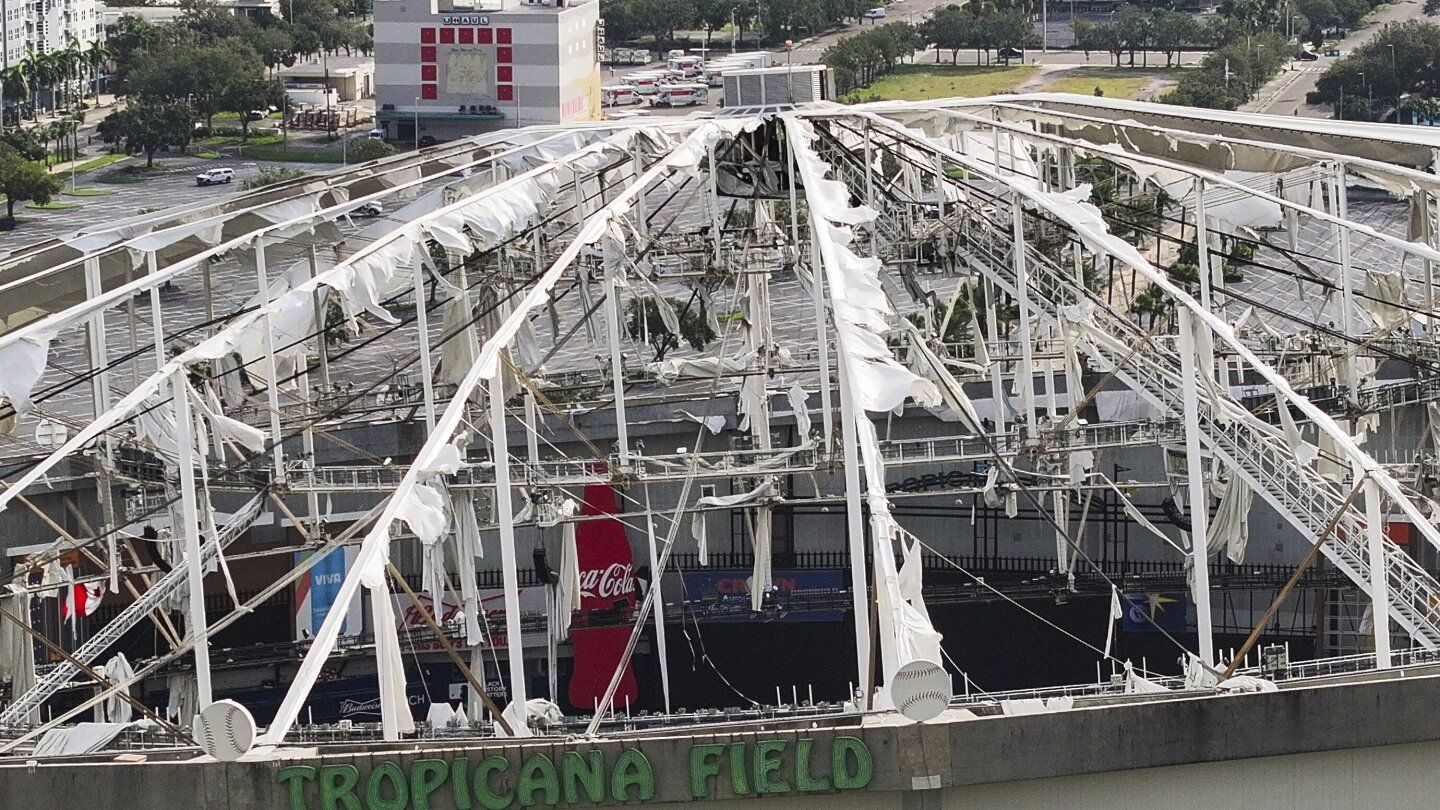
column 81, row 598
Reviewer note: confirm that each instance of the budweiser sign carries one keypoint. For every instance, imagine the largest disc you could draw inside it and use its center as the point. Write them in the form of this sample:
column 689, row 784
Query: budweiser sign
column 614, row 581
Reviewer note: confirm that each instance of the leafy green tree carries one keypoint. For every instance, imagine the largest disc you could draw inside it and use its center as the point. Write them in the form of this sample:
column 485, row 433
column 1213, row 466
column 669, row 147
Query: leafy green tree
column 22, row 179
column 1170, row 31
column 1401, row 59
column 252, row 93
column 204, row 76
column 25, row 142
column 1134, row 28
column 148, row 126
column 1006, row 29
column 366, row 149
column 1100, row 37
column 949, row 29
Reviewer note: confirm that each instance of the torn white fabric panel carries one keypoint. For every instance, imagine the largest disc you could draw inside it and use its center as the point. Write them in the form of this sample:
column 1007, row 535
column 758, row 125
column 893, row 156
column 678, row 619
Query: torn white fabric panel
column 207, row 231
column 115, row 709
column 448, row 461
column 22, row 364
column 422, row 508
column 714, row 424
column 1303, row 450
column 750, row 403
column 911, row 579
column 1061, row 503
column 462, row 348
column 761, row 541
column 395, row 717
column 1384, row 291
column 764, row 490
column 699, row 531
column 156, row 426
column 467, row 548
column 990, row 492
column 1116, row 614
column 1135, row 684
column 860, row 308
column 245, row 435
column 668, row 371
column 1229, row 528
column 567, row 591
column 81, row 738
column 1079, row 464
column 17, row 651
column 799, row 405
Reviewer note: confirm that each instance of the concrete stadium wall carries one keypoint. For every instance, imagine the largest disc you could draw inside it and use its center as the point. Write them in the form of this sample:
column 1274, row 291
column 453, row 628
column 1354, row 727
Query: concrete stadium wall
column 1334, row 746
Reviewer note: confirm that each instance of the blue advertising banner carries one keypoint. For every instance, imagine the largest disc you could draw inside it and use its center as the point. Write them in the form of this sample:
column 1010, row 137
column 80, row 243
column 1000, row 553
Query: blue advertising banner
column 723, row 595
column 1157, row 611
column 315, row 593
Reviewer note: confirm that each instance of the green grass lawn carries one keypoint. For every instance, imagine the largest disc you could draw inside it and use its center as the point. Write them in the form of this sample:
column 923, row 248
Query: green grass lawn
column 53, row 205
column 1084, row 83
column 85, row 191
column 921, row 82
column 98, row 163
column 205, row 154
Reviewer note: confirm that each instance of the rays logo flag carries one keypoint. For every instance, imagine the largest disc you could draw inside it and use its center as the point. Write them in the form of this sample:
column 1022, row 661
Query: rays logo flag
column 607, row 583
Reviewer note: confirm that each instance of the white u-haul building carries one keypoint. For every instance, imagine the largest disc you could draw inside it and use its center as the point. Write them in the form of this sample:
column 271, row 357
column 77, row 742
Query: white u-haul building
column 444, row 70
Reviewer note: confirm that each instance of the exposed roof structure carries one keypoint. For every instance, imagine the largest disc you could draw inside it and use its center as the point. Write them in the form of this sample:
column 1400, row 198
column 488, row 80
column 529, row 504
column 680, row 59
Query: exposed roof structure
column 822, row 266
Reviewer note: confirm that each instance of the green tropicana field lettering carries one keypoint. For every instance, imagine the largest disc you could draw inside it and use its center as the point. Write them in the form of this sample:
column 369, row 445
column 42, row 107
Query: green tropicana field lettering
column 767, row 766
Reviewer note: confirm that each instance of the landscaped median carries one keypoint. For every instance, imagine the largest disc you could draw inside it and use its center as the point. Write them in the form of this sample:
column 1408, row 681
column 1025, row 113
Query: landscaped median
column 89, row 165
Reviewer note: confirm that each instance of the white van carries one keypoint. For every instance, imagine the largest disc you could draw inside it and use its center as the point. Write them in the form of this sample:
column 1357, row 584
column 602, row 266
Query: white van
column 875, row 14
column 619, row 95
column 681, row 95
column 212, row 177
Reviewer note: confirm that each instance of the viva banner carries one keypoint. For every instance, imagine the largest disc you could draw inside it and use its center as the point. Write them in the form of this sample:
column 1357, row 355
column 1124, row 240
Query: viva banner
column 315, row 593
column 607, row 588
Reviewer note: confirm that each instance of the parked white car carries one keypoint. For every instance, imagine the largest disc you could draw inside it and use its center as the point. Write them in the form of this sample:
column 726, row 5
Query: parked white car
column 370, row 209
column 875, row 14
column 211, row 177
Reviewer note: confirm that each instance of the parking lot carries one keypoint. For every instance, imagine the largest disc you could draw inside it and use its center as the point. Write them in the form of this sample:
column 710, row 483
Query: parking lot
column 173, row 184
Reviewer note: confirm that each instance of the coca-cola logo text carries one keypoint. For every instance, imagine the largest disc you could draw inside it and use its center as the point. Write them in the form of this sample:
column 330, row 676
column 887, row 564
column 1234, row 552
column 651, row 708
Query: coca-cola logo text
column 612, row 582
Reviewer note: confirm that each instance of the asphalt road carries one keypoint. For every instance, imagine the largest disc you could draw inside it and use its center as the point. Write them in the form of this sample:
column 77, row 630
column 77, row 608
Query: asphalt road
column 173, row 186
column 1285, row 95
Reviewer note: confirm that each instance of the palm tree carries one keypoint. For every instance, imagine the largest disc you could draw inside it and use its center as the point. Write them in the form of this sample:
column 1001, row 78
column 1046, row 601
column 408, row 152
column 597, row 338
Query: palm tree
column 13, row 84
column 96, row 56
column 69, row 64
column 43, row 69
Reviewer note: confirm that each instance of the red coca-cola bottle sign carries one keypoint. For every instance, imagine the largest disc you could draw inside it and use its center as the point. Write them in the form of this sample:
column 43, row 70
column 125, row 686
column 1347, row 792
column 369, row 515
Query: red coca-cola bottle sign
column 607, row 583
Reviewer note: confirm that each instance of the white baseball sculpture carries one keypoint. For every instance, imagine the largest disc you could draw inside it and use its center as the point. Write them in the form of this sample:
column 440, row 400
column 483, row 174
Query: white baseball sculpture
column 225, row 730
column 921, row 690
